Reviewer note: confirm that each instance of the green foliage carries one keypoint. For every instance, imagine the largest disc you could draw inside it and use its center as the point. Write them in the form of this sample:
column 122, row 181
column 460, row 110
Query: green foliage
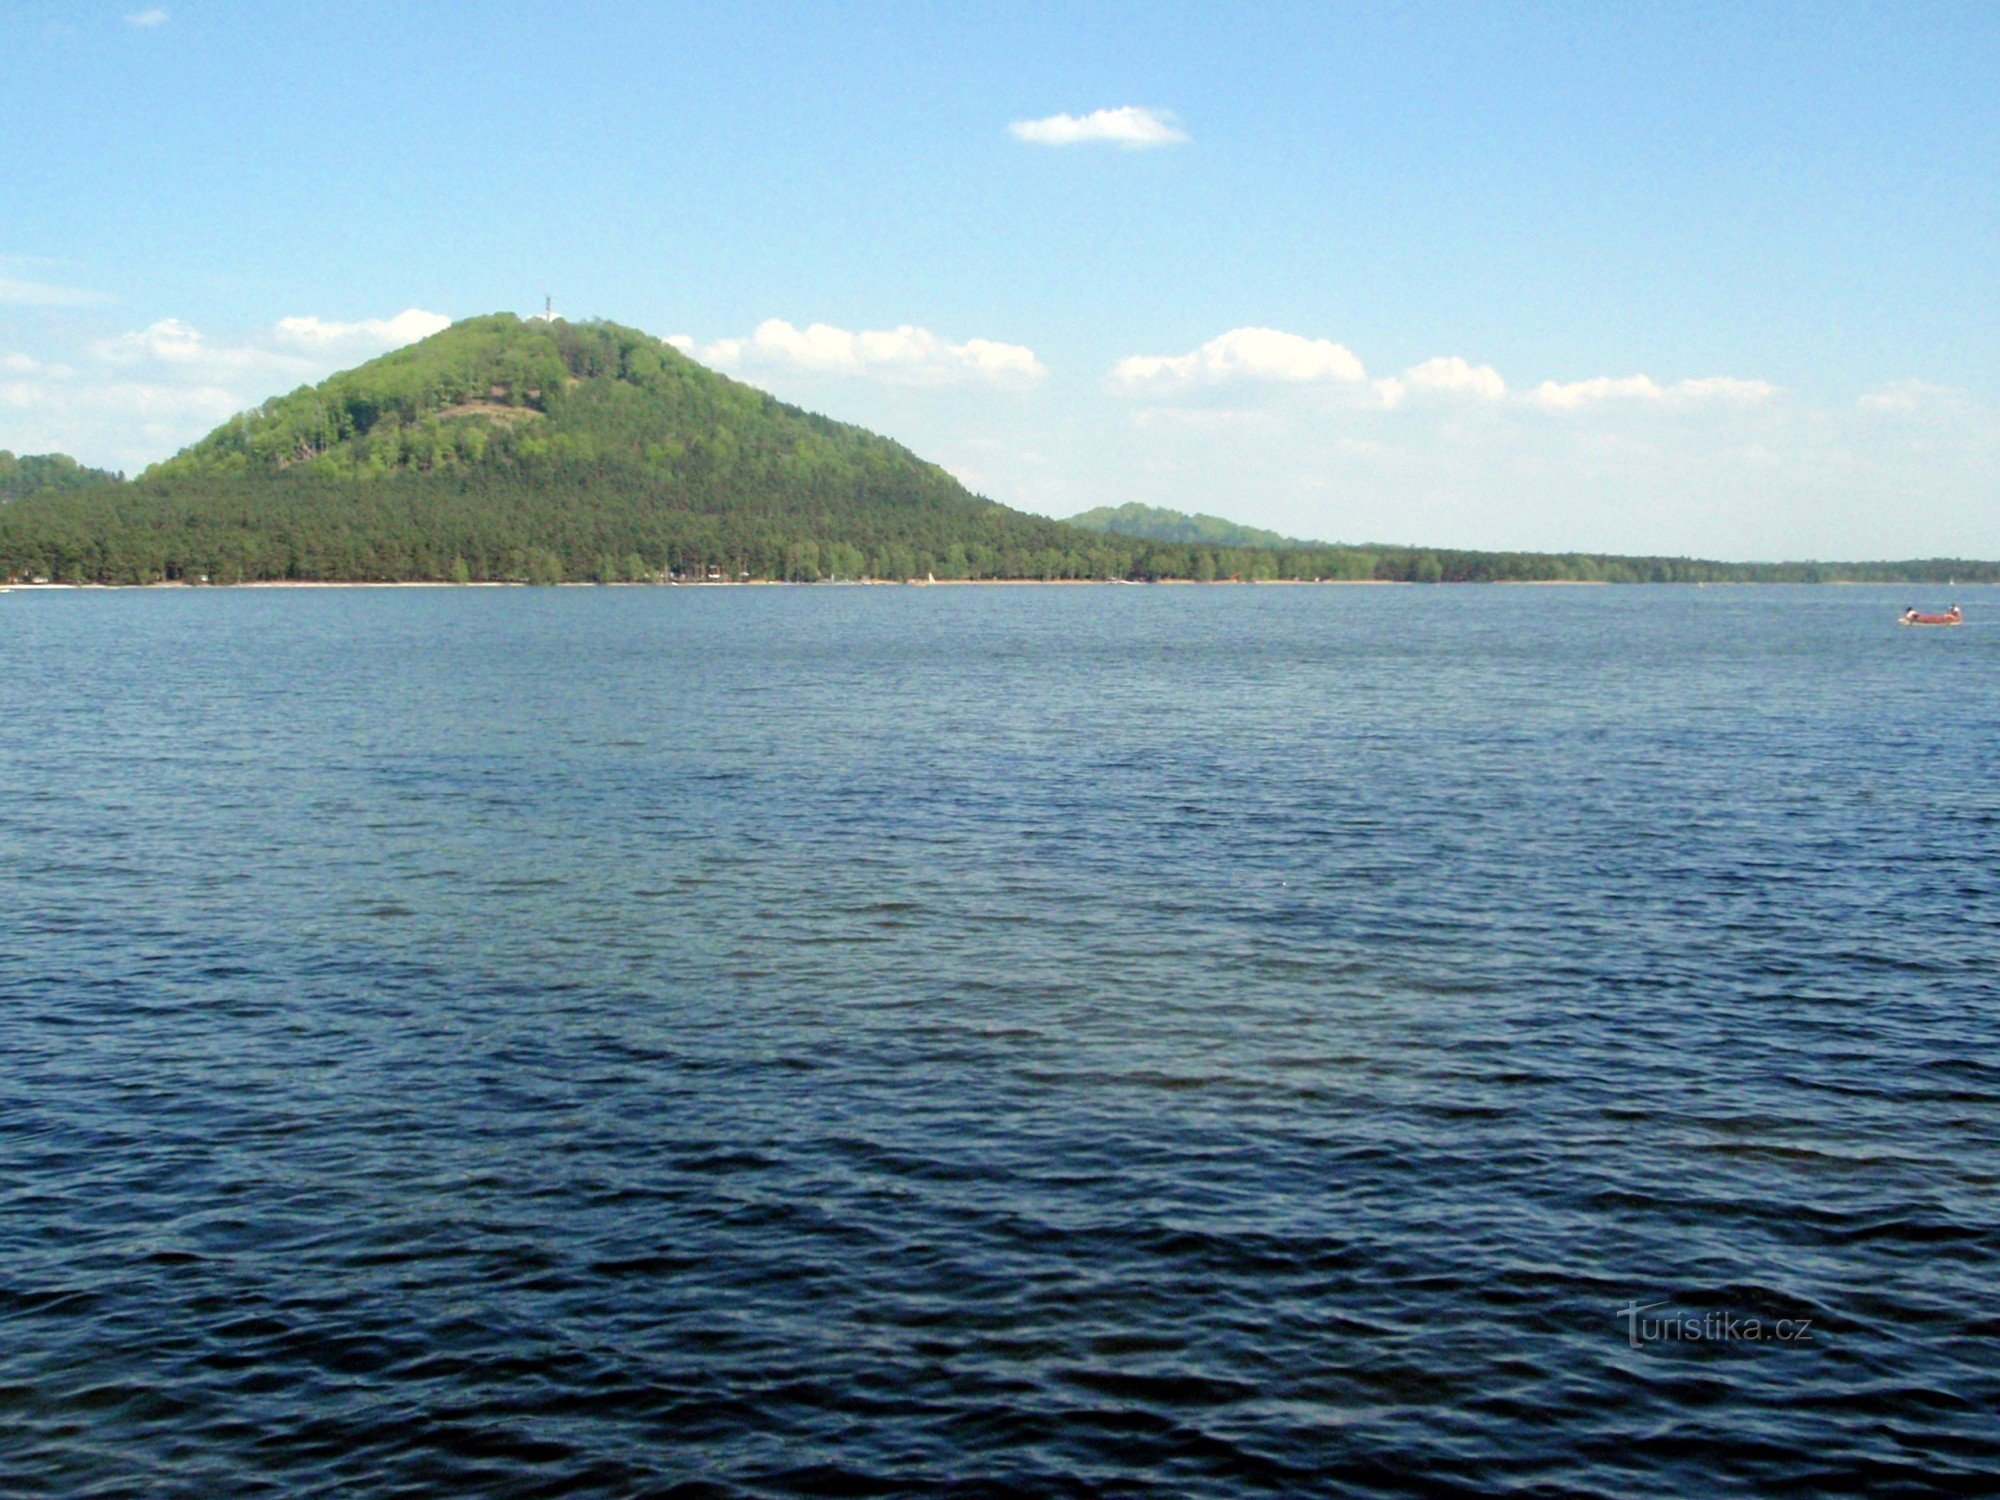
column 1163, row 525
column 444, row 402
column 32, row 473
column 542, row 452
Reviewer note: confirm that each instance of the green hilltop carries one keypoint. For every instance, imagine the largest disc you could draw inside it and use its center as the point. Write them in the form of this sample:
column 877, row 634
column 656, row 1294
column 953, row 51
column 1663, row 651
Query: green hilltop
column 541, row 450
column 37, row 473
column 1157, row 523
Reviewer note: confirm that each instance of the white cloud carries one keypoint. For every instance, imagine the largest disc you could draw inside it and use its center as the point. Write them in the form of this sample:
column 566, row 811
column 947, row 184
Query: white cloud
column 1914, row 397
column 681, row 341
column 119, row 424
column 1130, row 129
column 139, row 398
column 169, row 340
column 1579, row 394
column 153, row 17
column 1242, row 354
column 312, row 347
column 1553, row 397
column 908, row 355
column 1457, row 377
column 322, row 335
column 176, row 345
column 1726, row 388
column 24, row 364
column 1208, row 419
column 1274, row 358
column 143, row 393
column 40, row 294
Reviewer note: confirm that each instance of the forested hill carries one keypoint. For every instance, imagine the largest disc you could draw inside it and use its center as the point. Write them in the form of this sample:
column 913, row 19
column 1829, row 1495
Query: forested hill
column 503, row 392
column 510, row 449
column 544, row 450
column 1157, row 523
column 32, row 473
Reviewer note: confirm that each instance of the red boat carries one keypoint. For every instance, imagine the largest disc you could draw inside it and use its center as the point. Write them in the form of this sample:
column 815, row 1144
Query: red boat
column 1914, row 616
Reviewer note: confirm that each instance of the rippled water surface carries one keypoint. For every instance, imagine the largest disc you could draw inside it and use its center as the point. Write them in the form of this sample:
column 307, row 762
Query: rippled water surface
column 969, row 1041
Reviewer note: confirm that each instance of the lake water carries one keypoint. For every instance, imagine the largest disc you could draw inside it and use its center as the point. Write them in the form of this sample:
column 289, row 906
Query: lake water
column 960, row 1041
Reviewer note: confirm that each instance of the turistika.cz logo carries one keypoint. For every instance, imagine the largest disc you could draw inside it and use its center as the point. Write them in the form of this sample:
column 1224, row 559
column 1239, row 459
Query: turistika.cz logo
column 1708, row 1328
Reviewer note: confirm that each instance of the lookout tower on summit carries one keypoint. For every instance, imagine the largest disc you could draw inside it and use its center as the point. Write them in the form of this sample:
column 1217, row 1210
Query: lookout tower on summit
column 548, row 312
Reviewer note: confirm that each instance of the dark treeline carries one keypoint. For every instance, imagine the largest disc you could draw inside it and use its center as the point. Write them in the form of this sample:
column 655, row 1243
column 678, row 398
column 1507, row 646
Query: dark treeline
column 555, row 522
column 546, row 523
column 539, row 452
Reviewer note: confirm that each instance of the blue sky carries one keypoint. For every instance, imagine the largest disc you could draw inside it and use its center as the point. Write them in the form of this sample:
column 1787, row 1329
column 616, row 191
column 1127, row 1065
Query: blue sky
column 1712, row 279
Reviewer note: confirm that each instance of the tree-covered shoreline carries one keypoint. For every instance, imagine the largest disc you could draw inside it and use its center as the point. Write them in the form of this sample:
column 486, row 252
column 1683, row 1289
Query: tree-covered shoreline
column 542, row 452
column 558, row 524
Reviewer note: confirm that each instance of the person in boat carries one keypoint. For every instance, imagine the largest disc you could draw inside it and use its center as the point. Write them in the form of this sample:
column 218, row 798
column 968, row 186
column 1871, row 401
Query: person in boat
column 1912, row 616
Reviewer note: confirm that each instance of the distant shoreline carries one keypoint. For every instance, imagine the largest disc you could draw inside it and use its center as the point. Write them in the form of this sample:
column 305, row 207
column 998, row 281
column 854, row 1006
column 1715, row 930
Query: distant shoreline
column 921, row 583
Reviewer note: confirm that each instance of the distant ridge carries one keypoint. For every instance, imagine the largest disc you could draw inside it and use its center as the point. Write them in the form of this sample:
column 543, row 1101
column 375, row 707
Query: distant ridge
column 544, row 451
column 34, row 473
column 1162, row 525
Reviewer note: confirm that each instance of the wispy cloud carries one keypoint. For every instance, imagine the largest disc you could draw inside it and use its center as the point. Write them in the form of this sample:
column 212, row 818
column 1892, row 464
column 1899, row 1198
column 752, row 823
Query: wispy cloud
column 146, row 401
column 136, row 396
column 1221, row 421
column 907, row 355
column 119, row 423
column 1909, row 398
column 177, row 346
column 325, row 336
column 153, row 17
column 305, row 345
column 1130, row 128
column 41, row 294
column 1580, row 394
